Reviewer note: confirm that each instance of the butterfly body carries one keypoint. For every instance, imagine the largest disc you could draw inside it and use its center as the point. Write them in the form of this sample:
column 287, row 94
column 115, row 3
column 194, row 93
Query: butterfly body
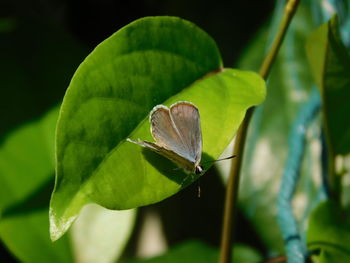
column 178, row 136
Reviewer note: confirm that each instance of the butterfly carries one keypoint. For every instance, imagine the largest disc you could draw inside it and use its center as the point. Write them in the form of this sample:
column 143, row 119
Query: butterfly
column 178, row 135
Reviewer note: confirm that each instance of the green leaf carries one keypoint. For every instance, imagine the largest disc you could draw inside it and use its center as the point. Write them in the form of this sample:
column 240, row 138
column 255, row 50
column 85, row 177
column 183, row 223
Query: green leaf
column 26, row 236
column 148, row 62
column 330, row 62
column 26, row 179
column 195, row 251
column 329, row 232
column 35, row 140
column 100, row 235
column 244, row 254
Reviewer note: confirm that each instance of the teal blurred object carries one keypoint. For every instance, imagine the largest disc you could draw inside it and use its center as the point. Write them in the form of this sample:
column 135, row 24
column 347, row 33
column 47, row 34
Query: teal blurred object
column 294, row 244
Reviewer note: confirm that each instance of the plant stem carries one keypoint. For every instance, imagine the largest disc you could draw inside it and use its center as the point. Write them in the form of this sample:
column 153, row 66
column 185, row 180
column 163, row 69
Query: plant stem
column 289, row 12
column 238, row 150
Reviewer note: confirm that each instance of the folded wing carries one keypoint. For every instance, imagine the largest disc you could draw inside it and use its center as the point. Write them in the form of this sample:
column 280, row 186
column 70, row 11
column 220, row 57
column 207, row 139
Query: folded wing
column 186, row 118
column 178, row 129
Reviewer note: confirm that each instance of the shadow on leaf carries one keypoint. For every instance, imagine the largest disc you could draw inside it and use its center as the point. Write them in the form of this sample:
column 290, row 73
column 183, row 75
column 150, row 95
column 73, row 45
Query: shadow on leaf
column 170, row 169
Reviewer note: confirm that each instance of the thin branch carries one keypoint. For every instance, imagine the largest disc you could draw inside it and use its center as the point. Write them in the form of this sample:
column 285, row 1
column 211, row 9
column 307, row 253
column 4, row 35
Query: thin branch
column 238, row 150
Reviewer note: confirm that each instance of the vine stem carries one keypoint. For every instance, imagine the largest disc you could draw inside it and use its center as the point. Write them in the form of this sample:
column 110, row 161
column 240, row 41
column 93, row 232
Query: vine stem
column 238, row 149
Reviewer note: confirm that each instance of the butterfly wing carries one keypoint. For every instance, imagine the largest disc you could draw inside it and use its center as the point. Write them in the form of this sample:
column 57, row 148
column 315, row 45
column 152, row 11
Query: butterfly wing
column 177, row 133
column 167, row 135
column 186, row 119
column 172, row 156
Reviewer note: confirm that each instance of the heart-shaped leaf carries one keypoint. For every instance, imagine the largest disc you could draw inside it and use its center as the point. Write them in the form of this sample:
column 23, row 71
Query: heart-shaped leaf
column 150, row 61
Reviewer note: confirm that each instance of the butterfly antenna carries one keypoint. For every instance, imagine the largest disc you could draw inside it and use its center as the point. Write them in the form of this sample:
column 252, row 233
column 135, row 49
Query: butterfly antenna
column 218, row 160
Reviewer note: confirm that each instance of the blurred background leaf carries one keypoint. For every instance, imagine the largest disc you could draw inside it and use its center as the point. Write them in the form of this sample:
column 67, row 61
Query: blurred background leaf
column 26, row 182
column 26, row 163
column 329, row 225
column 328, row 235
column 330, row 62
column 199, row 252
column 100, row 235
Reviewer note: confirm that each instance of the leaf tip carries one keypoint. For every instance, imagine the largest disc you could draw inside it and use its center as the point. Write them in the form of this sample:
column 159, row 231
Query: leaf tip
column 62, row 215
column 58, row 227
